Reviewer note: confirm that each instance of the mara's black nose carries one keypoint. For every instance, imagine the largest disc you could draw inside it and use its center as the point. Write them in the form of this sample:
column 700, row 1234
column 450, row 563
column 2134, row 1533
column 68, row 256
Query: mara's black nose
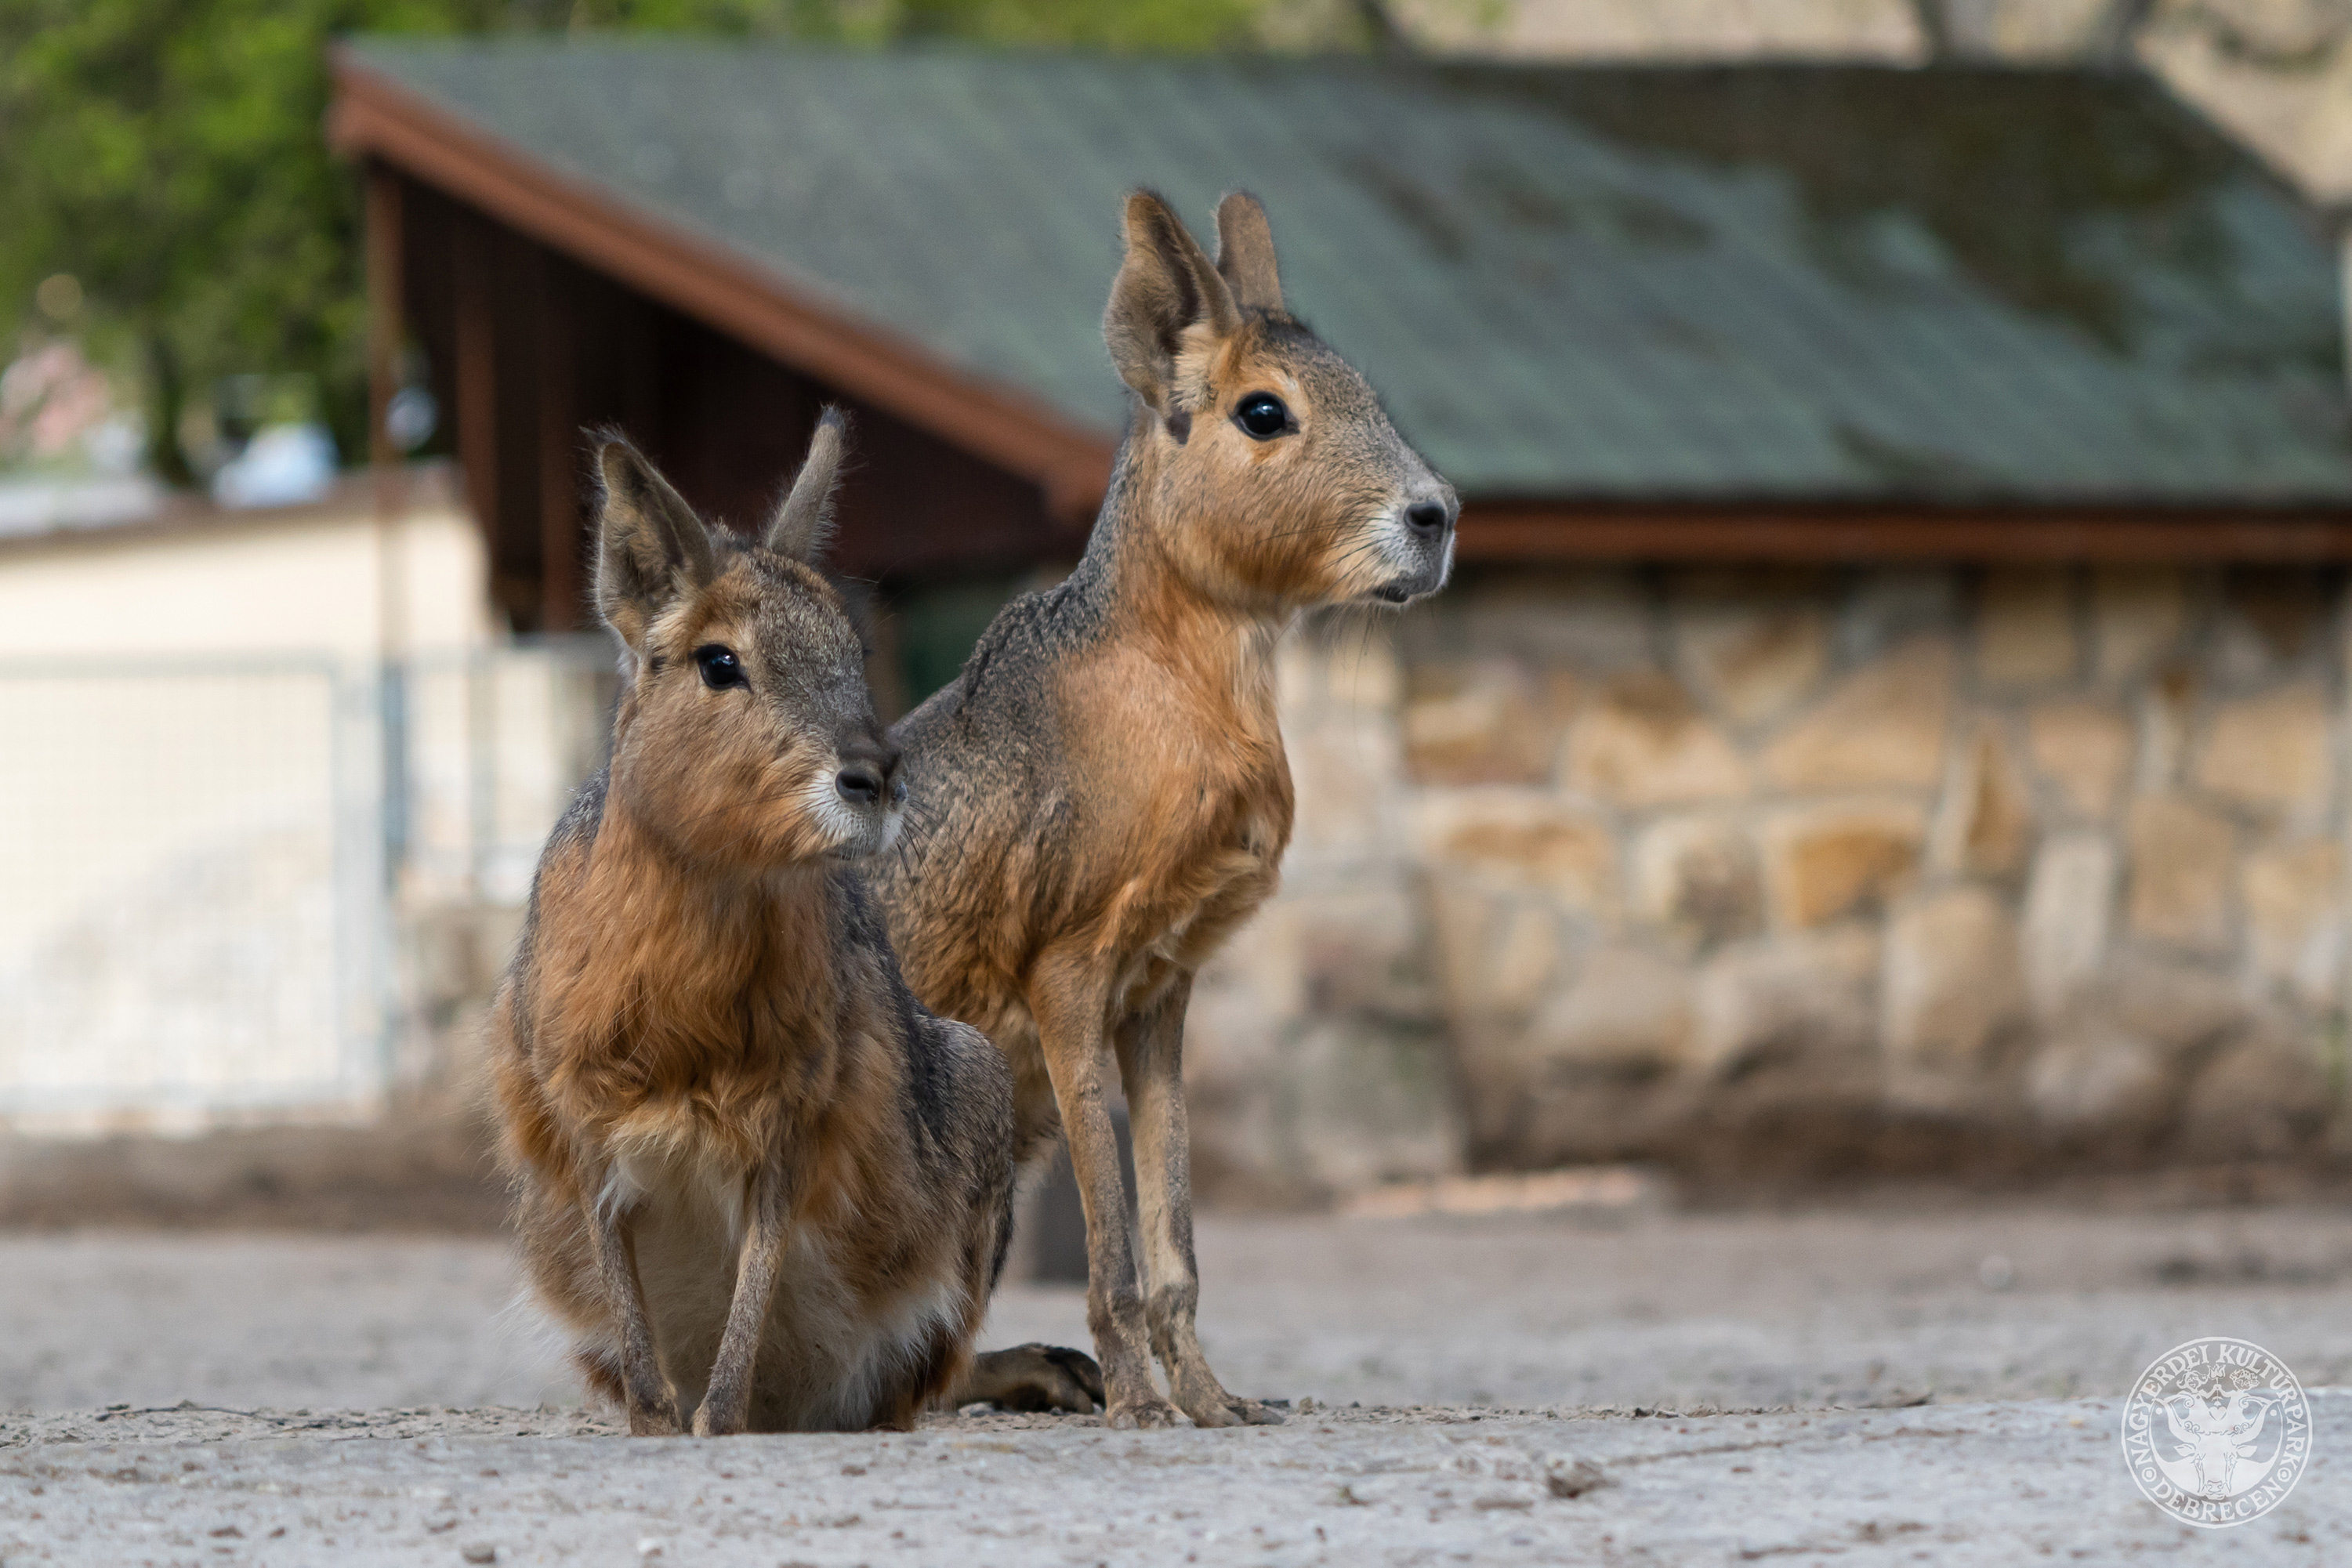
column 869, row 767
column 1429, row 516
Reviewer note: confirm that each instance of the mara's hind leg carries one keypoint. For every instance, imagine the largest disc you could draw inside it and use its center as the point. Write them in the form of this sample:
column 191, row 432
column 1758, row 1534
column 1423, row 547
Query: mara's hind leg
column 1151, row 1064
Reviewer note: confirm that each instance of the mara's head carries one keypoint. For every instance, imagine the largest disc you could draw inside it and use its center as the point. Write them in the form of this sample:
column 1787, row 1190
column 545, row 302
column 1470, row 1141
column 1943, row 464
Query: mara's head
column 746, row 733
column 1274, row 479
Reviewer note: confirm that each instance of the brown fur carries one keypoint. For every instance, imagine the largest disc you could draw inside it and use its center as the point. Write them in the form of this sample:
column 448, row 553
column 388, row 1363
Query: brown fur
column 1102, row 796
column 759, row 1183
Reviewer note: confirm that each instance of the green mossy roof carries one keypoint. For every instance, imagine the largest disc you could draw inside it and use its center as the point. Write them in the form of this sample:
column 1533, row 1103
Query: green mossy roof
column 1736, row 283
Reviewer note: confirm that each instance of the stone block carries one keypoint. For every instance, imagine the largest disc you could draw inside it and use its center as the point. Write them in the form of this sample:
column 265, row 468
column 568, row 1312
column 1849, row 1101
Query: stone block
column 1754, row 661
column 1521, row 838
column 1986, row 823
column 1489, row 721
column 2137, row 616
column 1594, row 619
column 2180, row 1008
column 1893, row 605
column 1365, row 1102
column 2182, row 863
column 1497, row 952
column 2084, row 749
column 1823, row 863
column 1365, row 671
column 2295, row 918
column 1812, row 994
column 1347, row 780
column 2262, row 1097
column 2282, row 609
column 2026, row 628
column 2069, row 905
column 1355, row 945
column 1882, row 726
column 1952, row 985
column 1251, row 987
column 2272, row 750
column 2166, row 710
column 1332, row 663
column 1699, row 878
column 1629, row 1011
column 2106, row 1081
column 1645, row 743
column 1302, row 677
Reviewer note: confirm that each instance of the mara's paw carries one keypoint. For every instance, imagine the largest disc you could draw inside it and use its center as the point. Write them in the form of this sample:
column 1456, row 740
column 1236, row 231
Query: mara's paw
column 1213, row 1406
column 651, row 1421
column 708, row 1424
column 1138, row 1415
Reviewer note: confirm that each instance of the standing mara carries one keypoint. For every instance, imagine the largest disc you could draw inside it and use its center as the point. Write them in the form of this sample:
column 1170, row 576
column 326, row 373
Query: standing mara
column 1102, row 795
column 761, row 1185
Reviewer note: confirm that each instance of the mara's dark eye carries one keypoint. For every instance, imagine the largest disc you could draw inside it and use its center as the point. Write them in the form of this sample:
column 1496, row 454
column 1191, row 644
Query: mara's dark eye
column 720, row 667
column 1262, row 415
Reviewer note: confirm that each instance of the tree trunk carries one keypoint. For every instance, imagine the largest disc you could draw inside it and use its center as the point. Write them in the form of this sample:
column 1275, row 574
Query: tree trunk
column 166, row 399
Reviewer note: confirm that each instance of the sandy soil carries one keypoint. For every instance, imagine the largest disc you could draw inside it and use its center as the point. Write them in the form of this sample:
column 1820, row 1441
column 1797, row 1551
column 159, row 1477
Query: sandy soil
column 381, row 1399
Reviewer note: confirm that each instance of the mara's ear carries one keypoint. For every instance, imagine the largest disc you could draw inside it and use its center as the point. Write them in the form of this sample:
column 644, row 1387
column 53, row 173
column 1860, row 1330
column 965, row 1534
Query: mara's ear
column 804, row 522
column 1165, row 286
column 647, row 535
column 1246, row 253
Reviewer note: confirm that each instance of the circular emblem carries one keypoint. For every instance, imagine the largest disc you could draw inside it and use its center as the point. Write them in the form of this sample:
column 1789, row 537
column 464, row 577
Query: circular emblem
column 2217, row 1432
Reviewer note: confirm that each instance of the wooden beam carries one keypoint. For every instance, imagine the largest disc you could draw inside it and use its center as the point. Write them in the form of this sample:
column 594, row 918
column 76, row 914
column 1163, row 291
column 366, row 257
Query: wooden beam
column 517, row 280
column 1529, row 534
column 560, row 541
column 385, row 289
column 477, row 414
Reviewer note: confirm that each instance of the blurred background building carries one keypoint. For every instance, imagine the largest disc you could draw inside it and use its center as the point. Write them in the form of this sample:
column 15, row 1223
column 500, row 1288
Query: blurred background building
column 1891, row 712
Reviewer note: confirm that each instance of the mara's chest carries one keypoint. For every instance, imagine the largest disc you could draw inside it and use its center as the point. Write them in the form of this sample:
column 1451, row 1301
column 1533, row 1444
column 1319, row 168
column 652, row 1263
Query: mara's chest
column 1184, row 799
column 1207, row 872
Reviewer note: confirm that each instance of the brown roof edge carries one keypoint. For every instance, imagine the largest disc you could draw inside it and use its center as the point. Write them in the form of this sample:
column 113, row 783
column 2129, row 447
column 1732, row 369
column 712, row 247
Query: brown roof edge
column 373, row 116
column 1532, row 532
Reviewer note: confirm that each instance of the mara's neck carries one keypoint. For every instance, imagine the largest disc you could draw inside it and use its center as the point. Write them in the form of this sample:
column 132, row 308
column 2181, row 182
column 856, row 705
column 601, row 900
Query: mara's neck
column 1139, row 592
column 700, row 927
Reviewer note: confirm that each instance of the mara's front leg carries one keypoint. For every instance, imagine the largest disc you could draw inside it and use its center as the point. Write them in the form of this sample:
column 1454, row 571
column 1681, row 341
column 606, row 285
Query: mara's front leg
column 1151, row 1064
column 1070, row 998
column 727, row 1402
column 652, row 1406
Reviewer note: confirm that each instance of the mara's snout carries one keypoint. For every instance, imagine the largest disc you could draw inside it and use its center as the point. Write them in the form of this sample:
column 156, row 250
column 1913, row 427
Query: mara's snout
column 866, row 798
column 1418, row 545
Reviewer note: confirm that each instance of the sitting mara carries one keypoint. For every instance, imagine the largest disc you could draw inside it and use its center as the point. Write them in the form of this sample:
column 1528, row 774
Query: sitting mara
column 761, row 1185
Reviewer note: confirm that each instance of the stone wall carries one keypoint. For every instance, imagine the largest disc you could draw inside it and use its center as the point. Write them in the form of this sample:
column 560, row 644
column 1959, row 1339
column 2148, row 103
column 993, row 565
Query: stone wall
column 1909, row 867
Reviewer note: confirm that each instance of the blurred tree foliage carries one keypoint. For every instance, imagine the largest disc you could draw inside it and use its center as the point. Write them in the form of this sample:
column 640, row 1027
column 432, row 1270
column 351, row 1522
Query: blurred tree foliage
column 168, row 155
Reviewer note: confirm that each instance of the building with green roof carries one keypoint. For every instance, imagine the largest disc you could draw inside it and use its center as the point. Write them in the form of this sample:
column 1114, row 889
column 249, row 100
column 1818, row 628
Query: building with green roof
column 1894, row 700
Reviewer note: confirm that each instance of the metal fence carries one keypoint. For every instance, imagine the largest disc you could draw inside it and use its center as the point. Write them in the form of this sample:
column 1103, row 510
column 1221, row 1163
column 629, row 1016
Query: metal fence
column 204, row 863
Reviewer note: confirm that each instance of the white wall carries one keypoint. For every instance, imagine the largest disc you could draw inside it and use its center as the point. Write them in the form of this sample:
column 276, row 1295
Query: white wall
column 193, row 926
column 307, row 581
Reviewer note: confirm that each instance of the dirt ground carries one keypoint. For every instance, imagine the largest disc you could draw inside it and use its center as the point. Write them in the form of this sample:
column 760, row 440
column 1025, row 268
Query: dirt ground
column 1883, row 1384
